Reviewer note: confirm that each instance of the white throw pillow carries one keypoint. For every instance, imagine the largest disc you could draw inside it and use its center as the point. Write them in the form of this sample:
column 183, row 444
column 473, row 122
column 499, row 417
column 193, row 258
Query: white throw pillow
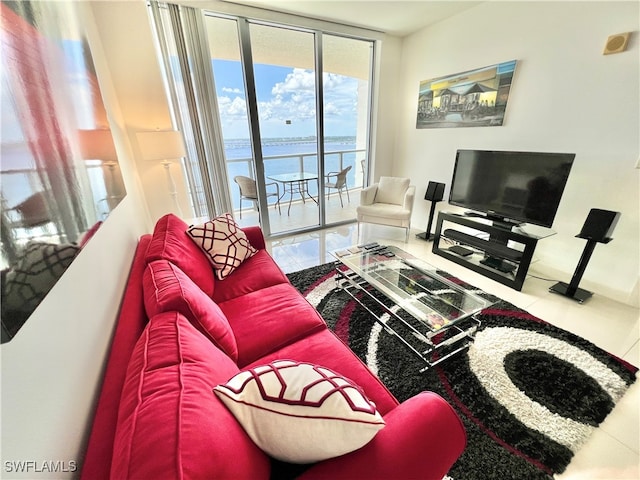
column 224, row 243
column 300, row 412
column 392, row 190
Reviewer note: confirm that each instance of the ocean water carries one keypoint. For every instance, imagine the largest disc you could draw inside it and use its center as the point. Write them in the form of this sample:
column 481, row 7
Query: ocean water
column 299, row 155
column 298, row 152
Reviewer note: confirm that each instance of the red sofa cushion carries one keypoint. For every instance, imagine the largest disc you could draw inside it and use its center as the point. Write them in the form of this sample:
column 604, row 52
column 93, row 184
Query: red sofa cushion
column 171, row 242
column 268, row 319
column 254, row 273
column 324, row 348
column 170, row 424
column 168, row 288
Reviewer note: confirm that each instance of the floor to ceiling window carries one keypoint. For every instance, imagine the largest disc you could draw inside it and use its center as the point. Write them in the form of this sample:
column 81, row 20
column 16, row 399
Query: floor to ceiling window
column 347, row 66
column 282, row 155
column 294, row 107
column 286, row 96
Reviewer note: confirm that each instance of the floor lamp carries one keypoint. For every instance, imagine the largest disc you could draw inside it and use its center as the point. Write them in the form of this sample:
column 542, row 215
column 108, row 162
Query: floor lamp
column 163, row 146
column 98, row 145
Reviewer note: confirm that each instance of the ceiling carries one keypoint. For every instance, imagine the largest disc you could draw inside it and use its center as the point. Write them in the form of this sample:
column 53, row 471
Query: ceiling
column 399, row 18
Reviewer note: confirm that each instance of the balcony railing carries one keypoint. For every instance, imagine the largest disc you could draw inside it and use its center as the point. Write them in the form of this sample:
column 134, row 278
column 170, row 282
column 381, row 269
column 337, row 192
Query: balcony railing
column 335, row 161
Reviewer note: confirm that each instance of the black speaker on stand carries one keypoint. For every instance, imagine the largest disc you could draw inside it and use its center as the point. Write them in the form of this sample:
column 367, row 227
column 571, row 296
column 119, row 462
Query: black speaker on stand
column 597, row 228
column 435, row 193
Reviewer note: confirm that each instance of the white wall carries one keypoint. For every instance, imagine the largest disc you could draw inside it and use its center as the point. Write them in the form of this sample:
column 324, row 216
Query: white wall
column 386, row 113
column 566, row 97
column 129, row 47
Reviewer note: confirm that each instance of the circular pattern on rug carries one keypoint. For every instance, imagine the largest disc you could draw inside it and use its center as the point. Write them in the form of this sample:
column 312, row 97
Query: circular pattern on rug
column 579, row 396
column 515, row 390
column 487, row 362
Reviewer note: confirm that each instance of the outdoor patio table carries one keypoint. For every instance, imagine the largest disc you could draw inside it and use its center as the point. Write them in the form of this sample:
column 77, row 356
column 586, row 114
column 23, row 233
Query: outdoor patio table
column 295, row 183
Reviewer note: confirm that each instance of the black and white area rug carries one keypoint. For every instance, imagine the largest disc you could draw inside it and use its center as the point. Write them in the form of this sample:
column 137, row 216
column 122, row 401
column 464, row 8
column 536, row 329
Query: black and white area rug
column 529, row 394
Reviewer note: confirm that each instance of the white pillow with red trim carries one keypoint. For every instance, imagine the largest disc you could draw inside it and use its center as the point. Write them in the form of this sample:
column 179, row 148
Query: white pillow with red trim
column 224, row 243
column 300, row 412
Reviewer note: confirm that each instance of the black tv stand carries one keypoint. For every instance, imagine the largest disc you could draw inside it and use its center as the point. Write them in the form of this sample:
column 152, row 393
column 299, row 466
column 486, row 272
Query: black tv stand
column 498, row 264
column 501, row 254
column 497, row 221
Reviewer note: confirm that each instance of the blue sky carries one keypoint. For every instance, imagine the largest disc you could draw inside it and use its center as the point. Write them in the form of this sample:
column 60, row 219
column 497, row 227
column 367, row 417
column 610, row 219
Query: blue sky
column 286, row 101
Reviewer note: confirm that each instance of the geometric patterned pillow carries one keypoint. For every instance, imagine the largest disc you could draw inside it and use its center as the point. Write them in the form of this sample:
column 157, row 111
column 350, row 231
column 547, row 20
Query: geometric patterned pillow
column 224, row 243
column 37, row 270
column 300, row 412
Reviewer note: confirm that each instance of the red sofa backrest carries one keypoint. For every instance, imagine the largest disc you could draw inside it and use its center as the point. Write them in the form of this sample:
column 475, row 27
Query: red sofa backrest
column 171, row 242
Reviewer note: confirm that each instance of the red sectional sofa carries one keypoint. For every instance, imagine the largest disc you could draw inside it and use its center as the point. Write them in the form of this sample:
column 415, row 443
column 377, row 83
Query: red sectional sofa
column 181, row 332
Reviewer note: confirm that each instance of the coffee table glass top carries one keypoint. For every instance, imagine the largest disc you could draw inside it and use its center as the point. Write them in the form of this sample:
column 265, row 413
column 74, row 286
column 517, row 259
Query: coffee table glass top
column 413, row 285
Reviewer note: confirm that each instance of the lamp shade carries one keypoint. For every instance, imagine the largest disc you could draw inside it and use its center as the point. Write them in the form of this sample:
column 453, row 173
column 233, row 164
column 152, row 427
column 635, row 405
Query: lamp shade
column 97, row 145
column 161, row 145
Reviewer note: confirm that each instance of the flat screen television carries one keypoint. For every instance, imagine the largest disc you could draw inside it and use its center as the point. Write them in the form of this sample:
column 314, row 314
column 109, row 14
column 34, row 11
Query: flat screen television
column 511, row 187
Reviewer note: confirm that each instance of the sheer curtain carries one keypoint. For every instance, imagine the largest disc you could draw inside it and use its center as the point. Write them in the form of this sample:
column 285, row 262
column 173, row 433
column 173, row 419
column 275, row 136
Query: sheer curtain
column 187, row 65
column 41, row 114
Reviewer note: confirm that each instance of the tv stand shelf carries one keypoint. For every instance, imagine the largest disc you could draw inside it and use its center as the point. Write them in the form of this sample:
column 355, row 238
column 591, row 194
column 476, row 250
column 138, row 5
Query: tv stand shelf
column 499, row 253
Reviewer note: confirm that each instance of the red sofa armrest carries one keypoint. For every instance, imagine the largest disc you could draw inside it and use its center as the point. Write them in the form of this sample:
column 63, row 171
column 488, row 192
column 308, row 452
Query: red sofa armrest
column 255, row 237
column 422, row 439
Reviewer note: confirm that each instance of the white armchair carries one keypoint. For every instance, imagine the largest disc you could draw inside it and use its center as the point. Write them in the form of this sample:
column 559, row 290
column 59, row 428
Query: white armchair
column 388, row 202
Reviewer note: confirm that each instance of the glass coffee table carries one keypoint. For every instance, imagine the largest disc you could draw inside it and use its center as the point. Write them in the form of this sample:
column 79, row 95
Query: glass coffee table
column 428, row 313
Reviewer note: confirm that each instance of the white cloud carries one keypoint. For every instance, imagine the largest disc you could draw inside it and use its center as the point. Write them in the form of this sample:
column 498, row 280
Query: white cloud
column 297, row 81
column 294, row 100
column 331, row 109
column 235, row 107
column 332, row 80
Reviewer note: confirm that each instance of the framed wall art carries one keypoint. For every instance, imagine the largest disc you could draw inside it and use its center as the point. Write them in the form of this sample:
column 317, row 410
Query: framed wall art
column 475, row 98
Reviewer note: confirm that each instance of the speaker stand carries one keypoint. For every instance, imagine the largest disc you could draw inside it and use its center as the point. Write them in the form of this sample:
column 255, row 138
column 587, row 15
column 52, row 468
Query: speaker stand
column 579, row 294
column 427, row 235
column 571, row 290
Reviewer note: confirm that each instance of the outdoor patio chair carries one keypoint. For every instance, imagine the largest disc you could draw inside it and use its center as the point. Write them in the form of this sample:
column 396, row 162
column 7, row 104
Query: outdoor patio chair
column 31, row 213
column 339, row 184
column 249, row 191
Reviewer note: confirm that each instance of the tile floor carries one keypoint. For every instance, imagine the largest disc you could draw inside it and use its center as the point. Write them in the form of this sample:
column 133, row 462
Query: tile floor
column 613, row 451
